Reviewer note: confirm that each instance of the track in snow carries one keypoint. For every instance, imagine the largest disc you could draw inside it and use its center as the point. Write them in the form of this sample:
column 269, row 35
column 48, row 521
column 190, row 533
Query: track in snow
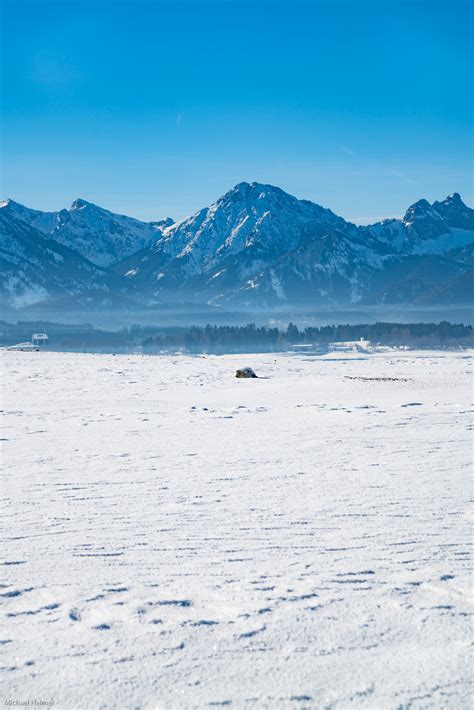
column 178, row 538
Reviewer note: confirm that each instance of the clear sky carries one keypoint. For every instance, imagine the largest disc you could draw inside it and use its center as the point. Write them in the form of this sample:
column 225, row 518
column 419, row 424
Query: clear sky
column 155, row 108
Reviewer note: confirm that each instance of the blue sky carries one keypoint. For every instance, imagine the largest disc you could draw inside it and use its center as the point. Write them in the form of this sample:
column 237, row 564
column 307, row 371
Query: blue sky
column 156, row 108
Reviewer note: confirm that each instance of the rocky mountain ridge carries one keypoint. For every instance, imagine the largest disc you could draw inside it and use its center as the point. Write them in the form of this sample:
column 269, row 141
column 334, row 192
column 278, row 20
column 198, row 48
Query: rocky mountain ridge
column 255, row 246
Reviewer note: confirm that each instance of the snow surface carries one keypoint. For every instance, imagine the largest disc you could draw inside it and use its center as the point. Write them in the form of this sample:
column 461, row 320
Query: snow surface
column 179, row 538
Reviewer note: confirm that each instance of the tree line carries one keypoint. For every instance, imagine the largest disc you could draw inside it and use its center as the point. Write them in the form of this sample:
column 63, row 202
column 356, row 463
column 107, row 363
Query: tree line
column 251, row 338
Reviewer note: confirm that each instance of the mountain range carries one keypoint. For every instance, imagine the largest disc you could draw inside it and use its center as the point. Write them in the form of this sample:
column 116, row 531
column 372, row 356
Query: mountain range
column 257, row 246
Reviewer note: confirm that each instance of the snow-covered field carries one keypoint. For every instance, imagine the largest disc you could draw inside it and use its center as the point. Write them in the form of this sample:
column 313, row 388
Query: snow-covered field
column 175, row 537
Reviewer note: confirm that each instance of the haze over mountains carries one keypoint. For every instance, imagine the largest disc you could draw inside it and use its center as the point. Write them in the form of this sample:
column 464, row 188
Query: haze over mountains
column 257, row 247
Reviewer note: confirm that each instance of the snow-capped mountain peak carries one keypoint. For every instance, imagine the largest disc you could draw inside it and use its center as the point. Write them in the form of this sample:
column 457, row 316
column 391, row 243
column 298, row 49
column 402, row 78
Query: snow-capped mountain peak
column 249, row 227
column 429, row 228
column 236, row 220
column 101, row 236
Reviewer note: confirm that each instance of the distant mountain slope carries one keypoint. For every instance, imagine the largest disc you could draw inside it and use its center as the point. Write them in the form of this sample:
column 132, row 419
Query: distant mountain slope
column 34, row 267
column 459, row 289
column 255, row 246
column 99, row 235
column 330, row 266
column 406, row 278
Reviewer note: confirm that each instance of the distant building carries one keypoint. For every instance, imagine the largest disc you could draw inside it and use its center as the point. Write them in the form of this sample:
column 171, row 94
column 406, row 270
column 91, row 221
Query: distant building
column 310, row 348
column 39, row 339
column 303, row 347
column 351, row 346
column 27, row 347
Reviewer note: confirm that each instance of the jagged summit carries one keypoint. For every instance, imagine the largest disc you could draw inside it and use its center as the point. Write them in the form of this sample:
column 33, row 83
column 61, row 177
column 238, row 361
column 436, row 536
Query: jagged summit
column 245, row 188
column 454, row 197
column 419, row 210
column 420, row 205
column 9, row 203
column 253, row 191
column 452, row 208
column 80, row 204
column 429, row 228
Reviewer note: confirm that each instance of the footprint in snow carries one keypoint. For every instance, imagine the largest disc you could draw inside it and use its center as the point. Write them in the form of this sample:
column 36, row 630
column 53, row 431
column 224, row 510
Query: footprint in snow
column 250, row 634
column 16, row 592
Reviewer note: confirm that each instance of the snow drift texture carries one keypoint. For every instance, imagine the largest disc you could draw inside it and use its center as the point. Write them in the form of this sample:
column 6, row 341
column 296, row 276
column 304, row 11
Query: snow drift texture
column 179, row 538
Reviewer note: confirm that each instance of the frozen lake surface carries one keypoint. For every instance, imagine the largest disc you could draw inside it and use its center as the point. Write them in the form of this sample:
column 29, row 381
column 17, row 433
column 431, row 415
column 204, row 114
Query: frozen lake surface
column 175, row 537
